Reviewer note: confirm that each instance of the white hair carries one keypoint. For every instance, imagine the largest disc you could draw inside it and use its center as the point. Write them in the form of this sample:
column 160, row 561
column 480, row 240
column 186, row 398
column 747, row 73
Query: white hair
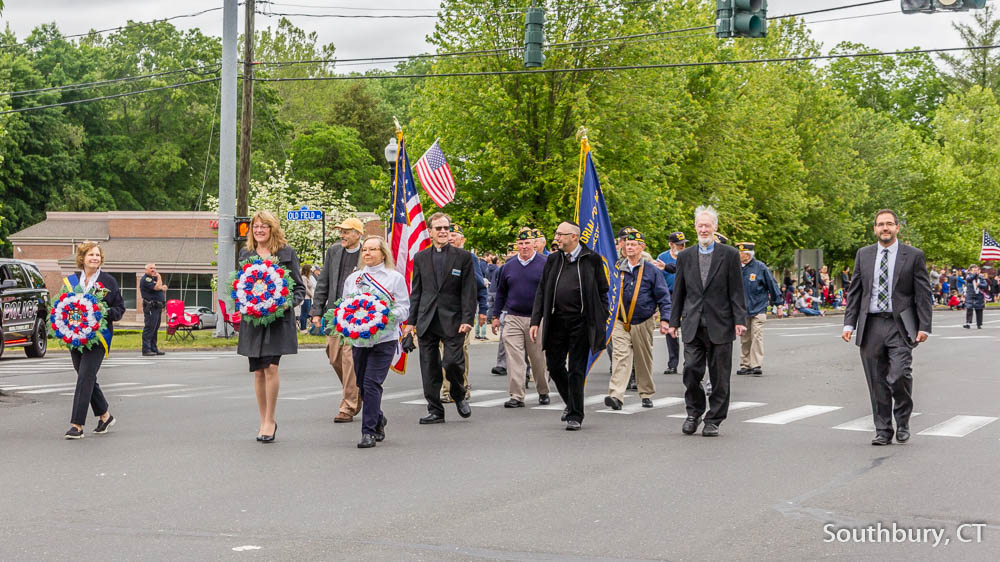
column 707, row 210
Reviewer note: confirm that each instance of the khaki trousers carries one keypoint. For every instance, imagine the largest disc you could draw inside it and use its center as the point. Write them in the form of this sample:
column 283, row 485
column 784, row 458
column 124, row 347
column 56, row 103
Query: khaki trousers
column 634, row 346
column 518, row 344
column 752, row 352
column 342, row 359
column 446, row 385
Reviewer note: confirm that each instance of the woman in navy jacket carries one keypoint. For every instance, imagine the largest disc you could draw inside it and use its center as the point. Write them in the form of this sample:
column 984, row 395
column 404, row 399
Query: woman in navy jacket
column 90, row 258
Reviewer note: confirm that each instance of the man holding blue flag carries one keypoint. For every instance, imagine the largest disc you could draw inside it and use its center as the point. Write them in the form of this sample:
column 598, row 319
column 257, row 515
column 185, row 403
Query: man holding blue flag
column 572, row 305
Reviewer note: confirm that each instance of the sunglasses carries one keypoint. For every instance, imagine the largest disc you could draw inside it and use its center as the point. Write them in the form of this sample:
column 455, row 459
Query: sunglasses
column 440, row 228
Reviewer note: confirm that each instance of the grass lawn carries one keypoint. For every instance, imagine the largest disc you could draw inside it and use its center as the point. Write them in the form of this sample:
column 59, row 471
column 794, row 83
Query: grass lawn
column 126, row 340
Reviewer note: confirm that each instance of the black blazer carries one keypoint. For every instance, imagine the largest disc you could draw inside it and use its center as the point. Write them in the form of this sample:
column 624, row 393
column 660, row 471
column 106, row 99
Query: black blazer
column 911, row 292
column 329, row 280
column 454, row 300
column 720, row 300
column 593, row 282
column 280, row 337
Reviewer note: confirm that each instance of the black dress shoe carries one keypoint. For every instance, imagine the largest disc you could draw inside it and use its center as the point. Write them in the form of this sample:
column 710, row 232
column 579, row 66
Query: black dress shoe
column 565, row 414
column 270, row 438
column 881, row 440
column 102, row 426
column 902, row 434
column 463, row 408
column 647, row 402
column 710, row 430
column 743, row 370
column 690, row 425
column 756, row 371
column 612, row 402
column 367, row 441
column 670, row 371
column 431, row 418
column 513, row 403
column 543, row 399
column 74, row 433
column 158, row 352
column 149, row 354
column 573, row 425
column 380, row 429
column 967, row 327
column 499, row 371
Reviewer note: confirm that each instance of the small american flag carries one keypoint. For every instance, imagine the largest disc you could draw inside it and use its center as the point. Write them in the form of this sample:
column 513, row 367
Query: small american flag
column 435, row 175
column 991, row 249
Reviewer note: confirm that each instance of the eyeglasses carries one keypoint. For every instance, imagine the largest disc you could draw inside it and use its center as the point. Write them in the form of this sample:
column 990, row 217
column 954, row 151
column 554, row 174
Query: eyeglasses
column 440, row 228
column 564, row 233
column 262, row 227
column 884, row 224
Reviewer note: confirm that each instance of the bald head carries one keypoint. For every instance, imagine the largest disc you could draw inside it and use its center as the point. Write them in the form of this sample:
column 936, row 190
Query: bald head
column 568, row 236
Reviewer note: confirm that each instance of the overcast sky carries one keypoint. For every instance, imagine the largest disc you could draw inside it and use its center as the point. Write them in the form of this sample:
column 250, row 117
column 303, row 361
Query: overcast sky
column 355, row 38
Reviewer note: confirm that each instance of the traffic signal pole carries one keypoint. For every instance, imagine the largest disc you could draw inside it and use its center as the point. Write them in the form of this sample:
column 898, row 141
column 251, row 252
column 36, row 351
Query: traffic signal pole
column 225, row 261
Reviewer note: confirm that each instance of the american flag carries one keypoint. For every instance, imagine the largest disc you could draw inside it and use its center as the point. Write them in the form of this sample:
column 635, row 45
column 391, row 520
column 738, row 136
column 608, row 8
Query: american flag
column 991, row 249
column 435, row 175
column 409, row 231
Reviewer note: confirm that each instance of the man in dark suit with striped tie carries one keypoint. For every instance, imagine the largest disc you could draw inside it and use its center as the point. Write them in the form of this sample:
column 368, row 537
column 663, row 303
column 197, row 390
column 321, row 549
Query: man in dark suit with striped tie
column 889, row 303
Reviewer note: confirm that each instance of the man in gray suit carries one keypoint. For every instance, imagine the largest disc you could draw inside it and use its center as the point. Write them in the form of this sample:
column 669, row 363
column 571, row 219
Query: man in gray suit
column 889, row 303
column 340, row 261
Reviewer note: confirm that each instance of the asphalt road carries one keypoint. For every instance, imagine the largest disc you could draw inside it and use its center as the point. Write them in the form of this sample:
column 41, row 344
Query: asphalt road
column 182, row 477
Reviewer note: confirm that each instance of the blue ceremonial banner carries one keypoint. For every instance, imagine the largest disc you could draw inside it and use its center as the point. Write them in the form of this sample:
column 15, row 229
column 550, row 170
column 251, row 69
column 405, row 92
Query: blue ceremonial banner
column 596, row 233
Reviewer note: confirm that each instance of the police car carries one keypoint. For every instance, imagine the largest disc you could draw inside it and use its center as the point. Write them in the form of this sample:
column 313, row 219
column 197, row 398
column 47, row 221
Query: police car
column 24, row 303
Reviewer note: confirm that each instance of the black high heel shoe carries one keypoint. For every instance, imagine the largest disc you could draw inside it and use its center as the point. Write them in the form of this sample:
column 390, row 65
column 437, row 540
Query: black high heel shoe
column 270, row 438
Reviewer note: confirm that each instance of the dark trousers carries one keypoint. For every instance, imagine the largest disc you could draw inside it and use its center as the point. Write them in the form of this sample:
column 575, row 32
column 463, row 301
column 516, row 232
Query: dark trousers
column 88, row 392
column 431, row 365
column 150, row 326
column 673, row 352
column 700, row 353
column 567, row 339
column 979, row 316
column 304, row 315
column 371, row 366
column 887, row 359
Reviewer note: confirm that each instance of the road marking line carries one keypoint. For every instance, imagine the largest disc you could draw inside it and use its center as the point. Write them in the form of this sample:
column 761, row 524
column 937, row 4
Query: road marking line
column 733, row 407
column 473, row 394
column 170, row 387
column 588, row 401
column 32, row 386
column 402, row 394
column 795, row 414
column 958, row 426
column 311, row 396
column 197, row 392
column 500, row 401
column 637, row 406
column 64, row 387
column 864, row 423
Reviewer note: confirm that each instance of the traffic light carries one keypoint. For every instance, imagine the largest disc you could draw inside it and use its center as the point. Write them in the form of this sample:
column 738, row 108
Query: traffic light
column 740, row 18
column 534, row 37
column 242, row 229
column 931, row 6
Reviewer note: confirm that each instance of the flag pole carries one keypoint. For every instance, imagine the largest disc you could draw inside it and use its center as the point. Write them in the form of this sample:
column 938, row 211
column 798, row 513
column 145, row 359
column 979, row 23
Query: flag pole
column 395, row 176
column 584, row 149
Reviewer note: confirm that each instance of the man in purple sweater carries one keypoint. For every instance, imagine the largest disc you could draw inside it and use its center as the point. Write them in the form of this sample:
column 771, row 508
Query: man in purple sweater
column 516, row 288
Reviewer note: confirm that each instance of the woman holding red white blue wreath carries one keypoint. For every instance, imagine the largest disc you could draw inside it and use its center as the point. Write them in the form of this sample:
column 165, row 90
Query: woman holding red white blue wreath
column 267, row 287
column 88, row 332
column 375, row 301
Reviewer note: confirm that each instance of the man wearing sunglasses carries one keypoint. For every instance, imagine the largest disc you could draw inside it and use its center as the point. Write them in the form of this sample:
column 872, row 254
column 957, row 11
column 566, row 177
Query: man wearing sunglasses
column 644, row 291
column 571, row 306
column 442, row 309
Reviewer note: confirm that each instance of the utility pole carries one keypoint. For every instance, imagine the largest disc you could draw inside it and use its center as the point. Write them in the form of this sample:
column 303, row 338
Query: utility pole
column 226, row 260
column 246, row 120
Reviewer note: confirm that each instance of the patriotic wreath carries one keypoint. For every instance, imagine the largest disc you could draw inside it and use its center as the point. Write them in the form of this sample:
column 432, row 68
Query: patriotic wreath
column 260, row 291
column 359, row 319
column 78, row 317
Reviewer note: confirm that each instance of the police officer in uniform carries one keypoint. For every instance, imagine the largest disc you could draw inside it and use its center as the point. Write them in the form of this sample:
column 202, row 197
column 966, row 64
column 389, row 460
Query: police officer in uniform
column 154, row 299
column 758, row 286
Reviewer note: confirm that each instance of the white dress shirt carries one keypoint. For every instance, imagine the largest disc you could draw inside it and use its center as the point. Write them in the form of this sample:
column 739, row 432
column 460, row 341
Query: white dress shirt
column 393, row 282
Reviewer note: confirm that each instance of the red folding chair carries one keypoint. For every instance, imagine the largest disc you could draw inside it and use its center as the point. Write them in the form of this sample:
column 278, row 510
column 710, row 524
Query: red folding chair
column 231, row 320
column 179, row 321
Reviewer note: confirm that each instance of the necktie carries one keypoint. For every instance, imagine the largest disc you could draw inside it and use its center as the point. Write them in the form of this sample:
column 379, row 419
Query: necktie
column 883, row 282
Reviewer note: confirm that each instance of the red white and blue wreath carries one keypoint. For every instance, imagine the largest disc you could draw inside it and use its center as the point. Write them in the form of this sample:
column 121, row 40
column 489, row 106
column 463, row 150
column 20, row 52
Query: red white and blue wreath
column 260, row 291
column 79, row 317
column 360, row 319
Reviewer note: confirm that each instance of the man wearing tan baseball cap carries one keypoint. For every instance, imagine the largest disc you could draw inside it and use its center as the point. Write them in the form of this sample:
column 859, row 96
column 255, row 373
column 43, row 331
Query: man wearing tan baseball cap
column 340, row 261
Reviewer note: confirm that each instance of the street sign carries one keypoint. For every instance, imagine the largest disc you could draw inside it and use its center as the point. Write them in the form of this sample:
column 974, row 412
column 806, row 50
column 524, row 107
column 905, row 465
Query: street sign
column 305, row 214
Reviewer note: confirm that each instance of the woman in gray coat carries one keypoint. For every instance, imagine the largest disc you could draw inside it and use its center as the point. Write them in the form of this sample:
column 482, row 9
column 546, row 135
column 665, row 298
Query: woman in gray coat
column 264, row 345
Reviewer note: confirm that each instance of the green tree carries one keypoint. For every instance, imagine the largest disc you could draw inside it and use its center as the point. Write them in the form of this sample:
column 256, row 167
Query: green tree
column 980, row 67
column 333, row 155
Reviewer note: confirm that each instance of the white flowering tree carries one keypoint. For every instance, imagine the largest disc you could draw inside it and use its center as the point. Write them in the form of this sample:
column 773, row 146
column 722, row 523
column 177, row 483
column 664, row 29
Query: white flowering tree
column 279, row 193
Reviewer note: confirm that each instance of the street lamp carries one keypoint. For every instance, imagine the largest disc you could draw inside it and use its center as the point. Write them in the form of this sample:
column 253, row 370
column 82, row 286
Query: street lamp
column 391, row 151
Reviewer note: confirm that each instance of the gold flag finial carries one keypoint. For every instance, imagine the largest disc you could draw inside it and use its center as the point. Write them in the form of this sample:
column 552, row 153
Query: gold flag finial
column 581, row 133
column 395, row 121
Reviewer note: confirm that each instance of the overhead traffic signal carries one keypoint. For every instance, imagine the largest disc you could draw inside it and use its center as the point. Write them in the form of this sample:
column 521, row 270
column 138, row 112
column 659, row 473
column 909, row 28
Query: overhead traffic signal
column 740, row 18
column 534, row 37
column 931, row 6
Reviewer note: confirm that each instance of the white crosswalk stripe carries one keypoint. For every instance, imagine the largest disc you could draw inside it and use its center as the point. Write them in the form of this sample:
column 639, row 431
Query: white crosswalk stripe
column 172, row 388
column 199, row 392
column 401, row 394
column 32, row 386
column 473, row 394
column 958, row 426
column 637, row 406
column 864, row 423
column 733, row 407
column 558, row 405
column 795, row 414
column 63, row 388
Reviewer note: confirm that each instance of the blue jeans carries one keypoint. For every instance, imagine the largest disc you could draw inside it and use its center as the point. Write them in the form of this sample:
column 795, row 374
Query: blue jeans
column 809, row 311
column 304, row 315
column 371, row 366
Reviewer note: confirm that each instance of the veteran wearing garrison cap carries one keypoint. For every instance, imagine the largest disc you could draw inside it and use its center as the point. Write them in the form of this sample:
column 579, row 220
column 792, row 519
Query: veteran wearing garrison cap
column 760, row 289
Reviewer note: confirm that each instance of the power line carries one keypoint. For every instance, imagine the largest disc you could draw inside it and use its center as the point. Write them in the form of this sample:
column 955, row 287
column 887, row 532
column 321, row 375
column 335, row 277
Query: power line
column 112, row 96
column 628, row 67
column 82, row 85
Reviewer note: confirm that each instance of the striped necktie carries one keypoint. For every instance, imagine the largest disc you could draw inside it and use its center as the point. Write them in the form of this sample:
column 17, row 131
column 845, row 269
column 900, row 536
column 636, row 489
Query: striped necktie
column 883, row 282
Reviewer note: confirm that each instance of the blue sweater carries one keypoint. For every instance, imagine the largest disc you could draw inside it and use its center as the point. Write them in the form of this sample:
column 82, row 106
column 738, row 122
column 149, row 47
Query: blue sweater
column 653, row 293
column 517, row 285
